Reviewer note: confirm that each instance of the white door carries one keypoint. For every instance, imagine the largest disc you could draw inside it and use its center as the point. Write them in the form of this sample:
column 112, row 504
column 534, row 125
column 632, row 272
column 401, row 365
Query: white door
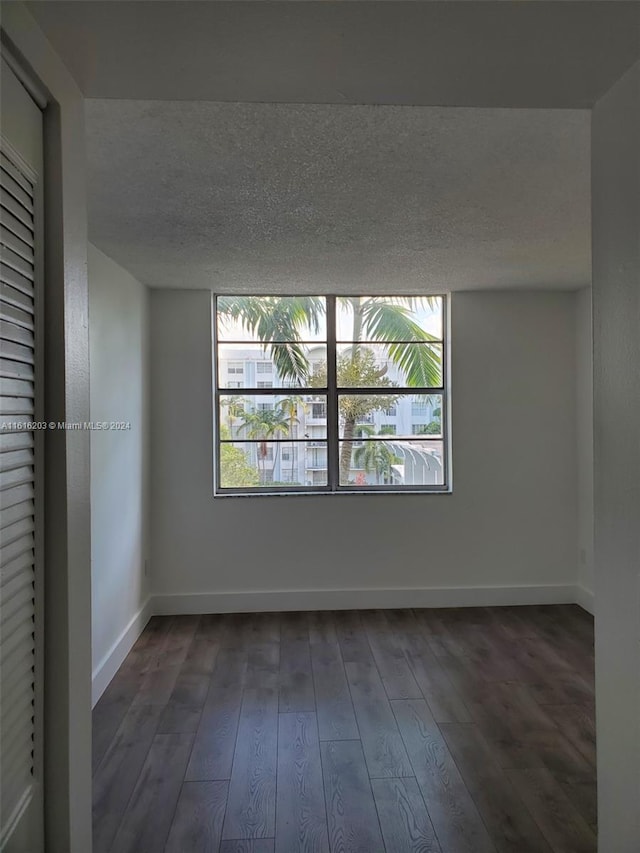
column 21, row 523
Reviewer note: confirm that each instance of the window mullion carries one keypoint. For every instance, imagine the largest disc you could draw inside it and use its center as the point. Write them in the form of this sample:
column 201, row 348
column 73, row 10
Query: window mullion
column 333, row 466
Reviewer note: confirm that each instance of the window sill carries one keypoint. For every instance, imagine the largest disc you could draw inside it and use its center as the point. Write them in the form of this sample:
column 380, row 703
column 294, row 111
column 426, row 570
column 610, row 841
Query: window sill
column 423, row 492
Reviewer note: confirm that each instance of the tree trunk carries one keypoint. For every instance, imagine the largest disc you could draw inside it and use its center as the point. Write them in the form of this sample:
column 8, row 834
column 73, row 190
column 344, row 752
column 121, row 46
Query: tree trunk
column 347, row 449
column 262, row 459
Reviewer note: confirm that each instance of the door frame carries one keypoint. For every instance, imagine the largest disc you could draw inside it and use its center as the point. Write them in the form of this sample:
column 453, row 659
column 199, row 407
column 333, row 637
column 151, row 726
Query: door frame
column 67, row 531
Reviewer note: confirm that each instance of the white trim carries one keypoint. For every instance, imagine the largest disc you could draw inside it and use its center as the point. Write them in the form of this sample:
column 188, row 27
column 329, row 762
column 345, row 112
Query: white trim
column 328, row 599
column 25, row 76
column 113, row 659
column 362, row 599
column 585, row 598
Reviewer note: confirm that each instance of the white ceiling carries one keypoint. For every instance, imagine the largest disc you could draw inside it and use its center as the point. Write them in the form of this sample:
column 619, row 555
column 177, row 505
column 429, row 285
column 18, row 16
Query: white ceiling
column 231, row 145
column 278, row 197
column 485, row 54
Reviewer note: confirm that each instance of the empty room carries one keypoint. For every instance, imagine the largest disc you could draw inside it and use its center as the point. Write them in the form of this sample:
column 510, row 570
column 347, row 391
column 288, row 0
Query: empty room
column 320, row 404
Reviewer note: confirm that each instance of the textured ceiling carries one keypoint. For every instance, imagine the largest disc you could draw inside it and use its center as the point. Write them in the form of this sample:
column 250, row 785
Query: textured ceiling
column 280, row 197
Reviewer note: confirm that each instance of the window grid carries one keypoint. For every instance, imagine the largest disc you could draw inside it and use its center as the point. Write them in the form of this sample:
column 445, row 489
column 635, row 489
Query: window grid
column 332, row 391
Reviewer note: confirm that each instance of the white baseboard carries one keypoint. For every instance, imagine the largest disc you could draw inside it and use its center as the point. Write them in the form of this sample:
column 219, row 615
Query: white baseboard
column 112, row 661
column 328, row 599
column 585, row 598
column 362, row 599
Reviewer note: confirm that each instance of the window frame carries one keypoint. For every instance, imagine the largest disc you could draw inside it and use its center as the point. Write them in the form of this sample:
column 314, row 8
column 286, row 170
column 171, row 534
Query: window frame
column 332, row 391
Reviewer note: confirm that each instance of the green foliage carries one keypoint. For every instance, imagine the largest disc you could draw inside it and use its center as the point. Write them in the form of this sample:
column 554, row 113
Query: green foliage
column 434, row 427
column 263, row 424
column 389, row 321
column 279, row 322
column 235, row 470
column 376, row 456
column 290, row 406
column 235, row 409
column 358, row 369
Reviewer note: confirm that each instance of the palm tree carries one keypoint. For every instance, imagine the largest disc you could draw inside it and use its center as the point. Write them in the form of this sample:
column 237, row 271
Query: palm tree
column 290, row 406
column 235, row 409
column 260, row 426
column 389, row 321
column 376, row 456
column 280, row 323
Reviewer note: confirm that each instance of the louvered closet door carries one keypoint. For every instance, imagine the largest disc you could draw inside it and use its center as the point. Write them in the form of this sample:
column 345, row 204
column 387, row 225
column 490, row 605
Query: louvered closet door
column 20, row 517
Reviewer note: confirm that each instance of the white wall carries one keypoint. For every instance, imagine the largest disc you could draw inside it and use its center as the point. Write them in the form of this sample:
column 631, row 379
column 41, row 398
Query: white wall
column 511, row 521
column 584, row 433
column 119, row 338
column 616, row 311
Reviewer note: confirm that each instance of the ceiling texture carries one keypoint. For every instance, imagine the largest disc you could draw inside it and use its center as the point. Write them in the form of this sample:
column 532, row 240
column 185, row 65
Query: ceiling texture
column 376, row 146
column 287, row 197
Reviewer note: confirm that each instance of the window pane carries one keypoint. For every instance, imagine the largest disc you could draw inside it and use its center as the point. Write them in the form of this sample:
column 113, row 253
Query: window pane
column 272, row 417
column 271, row 318
column 272, row 387
column 392, row 318
column 392, row 462
column 255, row 464
column 251, row 365
column 368, row 415
column 383, row 365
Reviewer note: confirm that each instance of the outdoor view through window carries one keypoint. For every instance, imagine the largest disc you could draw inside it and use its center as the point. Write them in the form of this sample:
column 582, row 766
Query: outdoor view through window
column 330, row 393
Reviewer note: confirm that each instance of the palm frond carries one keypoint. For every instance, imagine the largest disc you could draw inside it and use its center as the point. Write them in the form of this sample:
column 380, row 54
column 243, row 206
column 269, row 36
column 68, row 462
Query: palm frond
column 421, row 365
column 392, row 324
column 290, row 360
column 274, row 318
column 279, row 323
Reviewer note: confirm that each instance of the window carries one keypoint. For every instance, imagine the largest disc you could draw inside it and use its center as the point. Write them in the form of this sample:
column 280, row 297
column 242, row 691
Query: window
column 318, row 411
column 348, row 378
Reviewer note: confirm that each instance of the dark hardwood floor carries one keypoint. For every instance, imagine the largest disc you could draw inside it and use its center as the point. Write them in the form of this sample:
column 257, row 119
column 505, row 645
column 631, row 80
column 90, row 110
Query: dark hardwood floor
column 433, row 731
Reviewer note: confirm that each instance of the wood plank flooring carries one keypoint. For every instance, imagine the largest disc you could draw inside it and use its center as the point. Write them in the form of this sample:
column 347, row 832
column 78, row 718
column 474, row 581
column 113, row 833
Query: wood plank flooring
column 427, row 731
